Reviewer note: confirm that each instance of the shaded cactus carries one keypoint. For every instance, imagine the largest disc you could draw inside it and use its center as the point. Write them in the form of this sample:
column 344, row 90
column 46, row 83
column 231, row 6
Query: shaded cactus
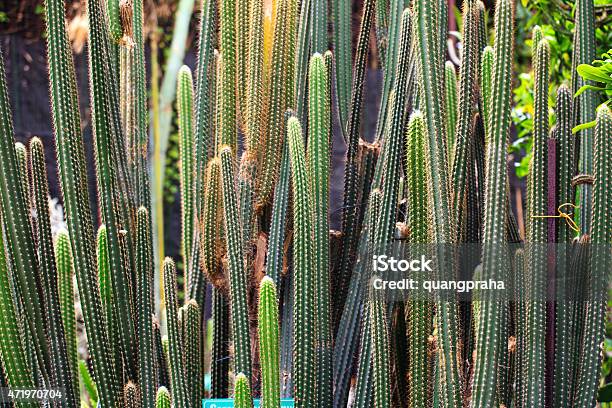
column 381, row 348
column 131, row 395
column 486, row 80
column 450, row 97
column 304, row 369
column 236, row 265
column 219, row 365
column 144, row 301
column 175, row 342
column 269, row 348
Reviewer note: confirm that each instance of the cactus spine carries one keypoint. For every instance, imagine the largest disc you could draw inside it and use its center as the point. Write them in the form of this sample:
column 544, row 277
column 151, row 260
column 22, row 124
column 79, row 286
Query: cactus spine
column 269, row 339
column 175, row 341
column 236, row 265
column 304, row 369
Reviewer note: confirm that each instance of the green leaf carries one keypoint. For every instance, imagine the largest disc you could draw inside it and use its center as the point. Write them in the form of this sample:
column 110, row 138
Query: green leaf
column 593, row 73
column 605, row 393
column 583, row 126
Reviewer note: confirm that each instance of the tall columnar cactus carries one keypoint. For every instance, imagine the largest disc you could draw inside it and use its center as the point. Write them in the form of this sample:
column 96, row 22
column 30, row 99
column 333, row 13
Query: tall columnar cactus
column 486, row 78
column 584, row 53
column 279, row 98
column 210, row 218
column 242, row 392
column 60, row 363
column 65, row 275
column 318, row 169
column 269, row 347
column 537, row 234
column 184, row 97
column 162, row 399
column 114, row 194
column 22, row 166
column 12, row 349
column 432, row 103
column 601, row 237
column 18, row 233
column 494, row 259
column 219, row 365
column 450, row 89
column 192, row 322
column 144, row 302
column 254, row 102
column 381, row 350
column 351, row 171
column 341, row 20
column 304, row 370
column 564, row 323
column 175, row 342
column 418, row 311
column 227, row 44
column 236, row 264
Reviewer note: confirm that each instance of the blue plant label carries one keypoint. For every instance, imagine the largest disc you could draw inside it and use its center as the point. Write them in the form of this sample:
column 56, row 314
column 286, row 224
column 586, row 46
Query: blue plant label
column 229, row 403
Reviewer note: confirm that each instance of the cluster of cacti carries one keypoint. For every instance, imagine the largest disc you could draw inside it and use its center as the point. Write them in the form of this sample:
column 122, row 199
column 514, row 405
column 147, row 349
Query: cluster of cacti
column 294, row 309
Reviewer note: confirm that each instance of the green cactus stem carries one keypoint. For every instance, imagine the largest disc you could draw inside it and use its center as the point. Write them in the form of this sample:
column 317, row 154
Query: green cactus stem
column 219, row 365
column 236, row 265
column 131, row 395
column 254, row 103
column 304, row 369
column 162, row 399
column 342, row 40
column 494, row 260
column 192, row 321
column 601, row 261
column 65, row 275
column 450, row 89
column 269, row 337
column 242, row 392
column 175, row 342
column 227, row 43
column 486, row 78
column 60, row 362
column 381, row 350
column 184, row 97
column 144, row 301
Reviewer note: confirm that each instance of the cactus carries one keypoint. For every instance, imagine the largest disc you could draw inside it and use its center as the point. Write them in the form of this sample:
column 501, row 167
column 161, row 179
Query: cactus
column 486, row 77
column 381, row 349
column 175, row 342
column 65, row 274
column 537, row 233
column 162, row 399
column 341, row 21
column 236, row 265
column 318, row 169
column 304, row 370
column 184, row 96
column 450, row 97
column 14, row 207
column 60, row 367
column 280, row 98
column 227, row 44
column 593, row 334
column 242, row 392
column 219, row 366
column 144, row 301
column 88, row 383
column 268, row 332
column 418, row 311
column 131, row 395
column 192, row 318
column 254, row 105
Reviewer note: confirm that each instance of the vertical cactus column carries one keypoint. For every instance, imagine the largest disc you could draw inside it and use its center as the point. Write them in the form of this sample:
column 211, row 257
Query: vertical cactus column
column 494, row 257
column 144, row 301
column 418, row 310
column 537, row 234
column 175, row 342
column 304, row 369
column 486, row 78
column 184, row 97
column 227, row 43
column 162, row 399
column 131, row 395
column 65, row 275
column 601, row 237
column 318, row 168
column 450, row 89
column 59, row 355
column 269, row 338
column 192, row 329
column 236, row 265
column 381, row 350
column 219, row 365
